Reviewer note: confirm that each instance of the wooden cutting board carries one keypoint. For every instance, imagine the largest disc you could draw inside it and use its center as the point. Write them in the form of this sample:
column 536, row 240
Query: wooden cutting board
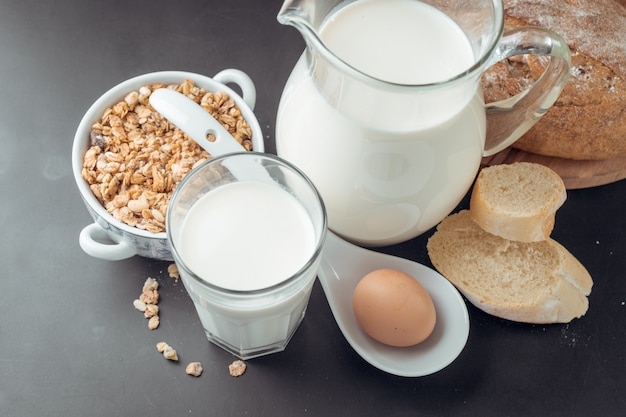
column 575, row 174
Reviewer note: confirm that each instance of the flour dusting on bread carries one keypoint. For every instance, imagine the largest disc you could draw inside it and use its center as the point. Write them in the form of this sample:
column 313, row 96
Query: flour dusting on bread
column 588, row 121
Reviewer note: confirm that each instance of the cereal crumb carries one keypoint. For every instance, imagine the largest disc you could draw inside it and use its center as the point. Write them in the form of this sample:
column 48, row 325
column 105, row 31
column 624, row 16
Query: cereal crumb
column 153, row 323
column 149, row 296
column 147, row 302
column 139, row 305
column 151, row 311
column 151, row 284
column 161, row 346
column 194, row 369
column 172, row 270
column 170, row 354
column 237, row 368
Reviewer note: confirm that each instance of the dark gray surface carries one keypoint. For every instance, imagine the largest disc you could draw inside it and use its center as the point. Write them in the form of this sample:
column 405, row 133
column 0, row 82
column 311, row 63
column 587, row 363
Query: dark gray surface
column 71, row 343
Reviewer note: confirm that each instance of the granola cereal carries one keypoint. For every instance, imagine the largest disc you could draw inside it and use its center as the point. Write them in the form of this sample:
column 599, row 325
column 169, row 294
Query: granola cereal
column 149, row 296
column 154, row 322
column 194, row 369
column 237, row 368
column 140, row 305
column 151, row 311
column 147, row 302
column 172, row 270
column 168, row 352
column 150, row 284
column 137, row 157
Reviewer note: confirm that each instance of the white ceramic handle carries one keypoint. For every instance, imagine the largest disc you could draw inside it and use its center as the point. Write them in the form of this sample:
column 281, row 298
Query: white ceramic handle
column 235, row 76
column 91, row 240
column 196, row 122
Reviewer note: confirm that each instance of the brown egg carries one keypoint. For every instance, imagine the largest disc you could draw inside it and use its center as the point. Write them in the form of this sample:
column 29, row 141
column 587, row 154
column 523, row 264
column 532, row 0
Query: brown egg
column 393, row 308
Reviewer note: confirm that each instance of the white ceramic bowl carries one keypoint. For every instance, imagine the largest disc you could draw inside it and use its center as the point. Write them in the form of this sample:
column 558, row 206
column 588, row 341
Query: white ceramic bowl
column 111, row 239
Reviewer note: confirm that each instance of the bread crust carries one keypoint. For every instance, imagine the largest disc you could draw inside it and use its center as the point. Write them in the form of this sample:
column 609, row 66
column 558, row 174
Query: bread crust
column 588, row 120
column 552, row 287
column 525, row 211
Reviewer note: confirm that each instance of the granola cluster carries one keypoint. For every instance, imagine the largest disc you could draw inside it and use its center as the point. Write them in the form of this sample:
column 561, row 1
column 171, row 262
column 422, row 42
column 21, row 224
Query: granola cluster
column 237, row 368
column 168, row 352
column 148, row 304
column 148, row 301
column 137, row 157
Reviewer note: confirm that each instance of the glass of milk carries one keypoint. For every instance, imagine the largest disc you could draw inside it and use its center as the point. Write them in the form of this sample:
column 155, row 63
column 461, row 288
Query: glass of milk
column 246, row 231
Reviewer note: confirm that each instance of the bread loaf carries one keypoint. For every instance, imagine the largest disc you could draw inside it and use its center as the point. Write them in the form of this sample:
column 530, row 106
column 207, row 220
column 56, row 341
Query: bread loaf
column 517, row 201
column 588, row 121
column 539, row 282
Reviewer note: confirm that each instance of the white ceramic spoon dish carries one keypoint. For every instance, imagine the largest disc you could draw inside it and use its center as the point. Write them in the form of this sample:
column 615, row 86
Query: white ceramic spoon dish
column 196, row 122
column 344, row 264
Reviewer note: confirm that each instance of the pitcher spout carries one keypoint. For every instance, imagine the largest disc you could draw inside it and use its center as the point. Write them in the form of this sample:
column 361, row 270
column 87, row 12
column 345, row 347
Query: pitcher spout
column 304, row 15
column 291, row 11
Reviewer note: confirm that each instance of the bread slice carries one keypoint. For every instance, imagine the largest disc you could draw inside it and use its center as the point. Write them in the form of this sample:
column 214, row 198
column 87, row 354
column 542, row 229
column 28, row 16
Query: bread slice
column 539, row 282
column 517, row 201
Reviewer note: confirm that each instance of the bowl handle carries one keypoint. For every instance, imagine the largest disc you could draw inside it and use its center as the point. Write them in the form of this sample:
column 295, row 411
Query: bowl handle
column 243, row 80
column 96, row 242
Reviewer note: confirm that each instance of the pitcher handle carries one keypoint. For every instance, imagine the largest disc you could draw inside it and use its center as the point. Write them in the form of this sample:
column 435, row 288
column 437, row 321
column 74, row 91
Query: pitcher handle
column 509, row 119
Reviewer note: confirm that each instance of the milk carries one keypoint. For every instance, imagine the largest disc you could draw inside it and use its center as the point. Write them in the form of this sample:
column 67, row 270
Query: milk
column 399, row 41
column 389, row 165
column 245, row 236
column 247, row 252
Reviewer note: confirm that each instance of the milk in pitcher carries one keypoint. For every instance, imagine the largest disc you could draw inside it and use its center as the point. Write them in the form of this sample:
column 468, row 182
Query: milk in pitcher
column 386, row 178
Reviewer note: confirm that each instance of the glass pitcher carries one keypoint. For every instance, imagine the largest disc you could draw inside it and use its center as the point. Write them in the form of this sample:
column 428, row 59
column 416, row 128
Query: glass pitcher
column 384, row 111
